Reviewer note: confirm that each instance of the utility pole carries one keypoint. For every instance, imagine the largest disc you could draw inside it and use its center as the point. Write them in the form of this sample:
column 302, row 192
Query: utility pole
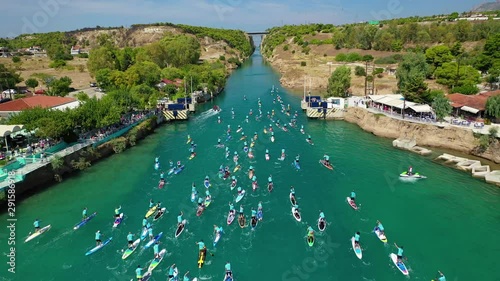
column 366, row 79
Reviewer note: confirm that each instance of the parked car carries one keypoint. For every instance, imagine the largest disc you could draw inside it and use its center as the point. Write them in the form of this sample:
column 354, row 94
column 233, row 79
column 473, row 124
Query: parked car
column 40, row 92
column 93, row 84
column 9, row 91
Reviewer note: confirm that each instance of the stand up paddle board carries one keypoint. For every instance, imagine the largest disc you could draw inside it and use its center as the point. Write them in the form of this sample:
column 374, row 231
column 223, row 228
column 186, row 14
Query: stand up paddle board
column 38, row 233
column 356, row 248
column 131, row 249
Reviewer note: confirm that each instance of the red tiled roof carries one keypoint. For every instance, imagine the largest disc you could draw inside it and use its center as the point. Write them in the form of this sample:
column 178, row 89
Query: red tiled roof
column 177, row 82
column 475, row 101
column 39, row 100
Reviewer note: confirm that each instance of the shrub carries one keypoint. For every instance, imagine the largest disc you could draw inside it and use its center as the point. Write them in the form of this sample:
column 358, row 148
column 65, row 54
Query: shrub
column 353, row 57
column 325, row 55
column 81, row 164
column 341, row 57
column 16, row 59
column 468, row 89
column 306, row 50
column 83, row 55
column 293, row 52
column 286, row 47
column 484, row 142
column 57, row 64
column 303, row 63
column 222, row 58
column 119, row 144
column 359, row 71
column 56, row 162
column 493, row 132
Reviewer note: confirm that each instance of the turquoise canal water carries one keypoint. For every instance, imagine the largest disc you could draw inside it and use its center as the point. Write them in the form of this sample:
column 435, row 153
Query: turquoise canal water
column 448, row 222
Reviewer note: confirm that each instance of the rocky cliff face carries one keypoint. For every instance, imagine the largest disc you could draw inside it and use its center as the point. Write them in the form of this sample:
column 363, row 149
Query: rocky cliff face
column 425, row 135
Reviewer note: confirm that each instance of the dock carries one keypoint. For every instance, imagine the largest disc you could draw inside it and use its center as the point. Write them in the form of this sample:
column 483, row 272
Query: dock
column 331, row 108
column 475, row 167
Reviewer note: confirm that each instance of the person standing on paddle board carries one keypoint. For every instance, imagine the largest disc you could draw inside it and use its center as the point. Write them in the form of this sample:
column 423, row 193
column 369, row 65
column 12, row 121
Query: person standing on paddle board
column 151, row 203
column 36, row 224
column 400, row 252
column 218, row 229
column 254, row 214
column 179, row 218
column 162, row 176
column 310, row 231
column 259, row 206
column 179, row 164
column 138, row 273
column 201, row 245
column 380, row 227
column 98, row 238
column 144, row 222
column 441, row 276
column 241, row 211
column 321, row 215
column 156, row 250
column 157, row 159
column 297, row 159
column 327, row 160
column 270, row 179
column 117, row 211
column 130, row 239
column 227, row 267
column 356, row 238
column 150, row 232
column 171, row 163
column 186, row 276
column 200, row 201
column 231, row 207
column 353, row 196
column 84, row 213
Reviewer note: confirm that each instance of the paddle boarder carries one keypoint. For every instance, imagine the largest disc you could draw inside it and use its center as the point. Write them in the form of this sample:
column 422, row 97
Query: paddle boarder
column 201, row 245
column 227, row 267
column 150, row 232
column 179, row 218
column 441, row 276
column 117, row 211
column 400, row 252
column 156, row 249
column 157, row 159
column 296, row 209
column 130, row 239
column 98, row 238
column 186, row 276
column 138, row 273
column 353, row 196
column 321, row 215
column 84, row 213
column 380, row 227
column 309, row 140
column 241, row 211
column 310, row 231
column 162, row 176
column 218, row 229
column 231, row 207
column 356, row 238
column 297, row 159
column 327, row 160
column 144, row 222
column 151, row 203
column 259, row 206
column 283, row 154
column 254, row 214
column 179, row 164
column 200, row 201
column 270, row 179
column 36, row 224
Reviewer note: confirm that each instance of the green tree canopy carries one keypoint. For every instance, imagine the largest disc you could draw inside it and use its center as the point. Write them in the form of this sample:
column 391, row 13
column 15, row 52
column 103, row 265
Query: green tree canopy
column 59, row 87
column 447, row 75
column 438, row 55
column 8, row 77
column 441, row 106
column 31, row 83
column 100, row 58
column 493, row 106
column 411, row 74
column 339, row 82
column 181, row 50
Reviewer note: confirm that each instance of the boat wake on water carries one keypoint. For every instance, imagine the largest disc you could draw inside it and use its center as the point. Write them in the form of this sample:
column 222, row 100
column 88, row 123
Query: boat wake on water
column 205, row 115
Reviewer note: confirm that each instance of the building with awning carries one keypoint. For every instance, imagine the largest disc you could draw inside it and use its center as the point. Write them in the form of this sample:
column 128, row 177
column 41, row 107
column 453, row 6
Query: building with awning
column 470, row 105
column 390, row 102
column 7, row 130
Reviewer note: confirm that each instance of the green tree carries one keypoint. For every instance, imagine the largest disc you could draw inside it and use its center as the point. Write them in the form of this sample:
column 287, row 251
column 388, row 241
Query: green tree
column 411, row 74
column 60, row 87
column 181, row 50
column 493, row 106
column 100, row 58
column 438, row 55
column 31, row 83
column 450, row 75
column 442, row 107
column 16, row 59
column 147, row 73
column 339, row 82
column 8, row 77
column 359, row 71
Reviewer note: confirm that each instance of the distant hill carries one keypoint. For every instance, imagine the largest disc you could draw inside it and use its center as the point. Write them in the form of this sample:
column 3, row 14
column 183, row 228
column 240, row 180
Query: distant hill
column 489, row 6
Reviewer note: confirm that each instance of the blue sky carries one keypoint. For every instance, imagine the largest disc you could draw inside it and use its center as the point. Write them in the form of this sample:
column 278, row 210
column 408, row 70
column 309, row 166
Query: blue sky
column 28, row 16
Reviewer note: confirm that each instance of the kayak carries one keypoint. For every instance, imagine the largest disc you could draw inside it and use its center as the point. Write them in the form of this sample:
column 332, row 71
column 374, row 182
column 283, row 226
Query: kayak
column 323, row 162
column 293, row 201
column 356, row 248
column 118, row 220
column 236, row 169
column 200, row 210
column 201, row 257
column 208, row 200
column 206, row 184
column 267, row 157
column 180, row 228
column 259, row 214
column 413, row 176
column 240, row 196
column 296, row 214
column 228, row 276
column 254, row 222
column 242, row 221
column 160, row 214
column 178, row 170
column 321, row 224
column 84, row 221
column 193, row 196
column 250, row 174
column 144, row 233
column 38, row 233
column 131, row 249
column 151, row 211
column 296, row 165
column 380, row 236
column 154, row 240
column 270, row 186
column 155, row 262
column 230, row 217
column 310, row 240
column 174, row 277
column 217, row 238
column 97, row 248
column 352, row 203
column 400, row 265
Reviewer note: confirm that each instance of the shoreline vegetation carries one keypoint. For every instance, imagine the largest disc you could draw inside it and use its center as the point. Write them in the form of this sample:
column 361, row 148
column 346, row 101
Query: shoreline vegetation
column 445, row 55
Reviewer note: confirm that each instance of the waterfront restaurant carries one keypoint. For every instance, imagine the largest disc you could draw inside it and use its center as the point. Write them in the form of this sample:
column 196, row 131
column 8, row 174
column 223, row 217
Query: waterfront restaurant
column 395, row 105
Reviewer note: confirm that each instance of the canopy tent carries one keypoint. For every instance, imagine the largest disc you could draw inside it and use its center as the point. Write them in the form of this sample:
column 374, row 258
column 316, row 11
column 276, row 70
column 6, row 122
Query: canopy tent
column 469, row 109
column 6, row 130
column 421, row 108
